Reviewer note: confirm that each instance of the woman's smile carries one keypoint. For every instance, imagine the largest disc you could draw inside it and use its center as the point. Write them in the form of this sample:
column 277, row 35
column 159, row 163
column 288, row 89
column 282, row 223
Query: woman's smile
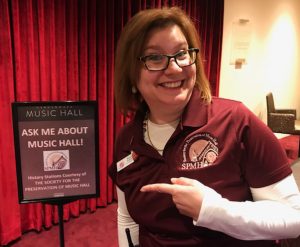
column 172, row 84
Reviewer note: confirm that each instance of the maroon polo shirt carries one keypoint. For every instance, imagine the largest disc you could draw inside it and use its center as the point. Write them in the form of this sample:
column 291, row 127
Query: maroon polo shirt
column 221, row 144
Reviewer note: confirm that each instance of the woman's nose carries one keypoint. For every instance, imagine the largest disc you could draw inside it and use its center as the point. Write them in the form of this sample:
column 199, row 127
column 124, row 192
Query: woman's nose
column 173, row 66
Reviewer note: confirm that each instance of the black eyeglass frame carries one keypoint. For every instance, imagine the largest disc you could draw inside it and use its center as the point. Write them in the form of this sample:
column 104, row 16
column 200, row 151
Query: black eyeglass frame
column 143, row 59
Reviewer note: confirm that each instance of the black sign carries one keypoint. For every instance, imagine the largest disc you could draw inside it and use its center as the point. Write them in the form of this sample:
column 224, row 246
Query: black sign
column 56, row 145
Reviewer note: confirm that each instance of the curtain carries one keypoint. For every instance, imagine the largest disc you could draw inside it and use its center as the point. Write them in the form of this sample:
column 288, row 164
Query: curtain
column 57, row 50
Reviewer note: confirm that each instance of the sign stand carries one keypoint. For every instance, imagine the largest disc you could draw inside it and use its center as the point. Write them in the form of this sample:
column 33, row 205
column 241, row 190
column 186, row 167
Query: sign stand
column 60, row 206
column 56, row 149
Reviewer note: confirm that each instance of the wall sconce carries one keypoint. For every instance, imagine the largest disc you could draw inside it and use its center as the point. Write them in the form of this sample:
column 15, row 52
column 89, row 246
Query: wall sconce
column 240, row 42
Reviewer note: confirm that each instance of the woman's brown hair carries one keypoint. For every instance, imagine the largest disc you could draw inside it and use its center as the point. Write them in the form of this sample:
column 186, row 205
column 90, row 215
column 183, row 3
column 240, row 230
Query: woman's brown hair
column 130, row 47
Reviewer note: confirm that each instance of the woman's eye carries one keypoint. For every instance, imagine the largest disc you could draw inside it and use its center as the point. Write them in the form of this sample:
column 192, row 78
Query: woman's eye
column 155, row 58
column 182, row 54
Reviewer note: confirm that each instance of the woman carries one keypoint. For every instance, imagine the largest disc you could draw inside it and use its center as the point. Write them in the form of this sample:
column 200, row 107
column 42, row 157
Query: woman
column 214, row 174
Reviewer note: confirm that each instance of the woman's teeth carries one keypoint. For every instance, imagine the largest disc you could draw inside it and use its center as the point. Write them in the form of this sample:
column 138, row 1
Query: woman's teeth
column 172, row 84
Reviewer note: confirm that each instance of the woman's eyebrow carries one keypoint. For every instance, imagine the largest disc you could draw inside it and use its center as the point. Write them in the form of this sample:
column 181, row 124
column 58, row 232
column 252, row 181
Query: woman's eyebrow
column 158, row 48
column 153, row 47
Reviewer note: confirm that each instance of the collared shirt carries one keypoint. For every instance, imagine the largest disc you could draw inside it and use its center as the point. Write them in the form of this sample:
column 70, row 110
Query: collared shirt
column 221, row 144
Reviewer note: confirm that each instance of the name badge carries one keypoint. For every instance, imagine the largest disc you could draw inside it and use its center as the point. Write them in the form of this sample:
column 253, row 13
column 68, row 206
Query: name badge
column 123, row 163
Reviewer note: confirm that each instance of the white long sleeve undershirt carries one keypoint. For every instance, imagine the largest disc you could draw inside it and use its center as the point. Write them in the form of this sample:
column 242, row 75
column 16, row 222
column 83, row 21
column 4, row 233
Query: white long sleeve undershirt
column 125, row 221
column 274, row 214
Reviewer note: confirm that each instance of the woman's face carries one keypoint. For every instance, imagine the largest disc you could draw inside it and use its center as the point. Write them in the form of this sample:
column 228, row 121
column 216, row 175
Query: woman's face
column 170, row 89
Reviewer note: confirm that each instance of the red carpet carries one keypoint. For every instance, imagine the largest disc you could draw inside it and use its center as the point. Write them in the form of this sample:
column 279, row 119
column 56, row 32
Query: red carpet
column 291, row 146
column 88, row 230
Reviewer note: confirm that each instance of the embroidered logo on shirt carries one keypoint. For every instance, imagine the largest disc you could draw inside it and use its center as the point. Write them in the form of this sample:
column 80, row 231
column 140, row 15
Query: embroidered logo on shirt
column 200, row 150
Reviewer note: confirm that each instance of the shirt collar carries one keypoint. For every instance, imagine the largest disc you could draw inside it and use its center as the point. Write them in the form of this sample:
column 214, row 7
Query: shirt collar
column 195, row 115
column 196, row 111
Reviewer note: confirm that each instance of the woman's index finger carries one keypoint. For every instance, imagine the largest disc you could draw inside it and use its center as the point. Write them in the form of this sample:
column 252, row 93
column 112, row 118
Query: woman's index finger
column 159, row 187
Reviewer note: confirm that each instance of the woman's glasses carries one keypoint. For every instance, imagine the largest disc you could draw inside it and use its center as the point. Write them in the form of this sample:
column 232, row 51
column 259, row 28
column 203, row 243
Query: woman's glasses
column 158, row 62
